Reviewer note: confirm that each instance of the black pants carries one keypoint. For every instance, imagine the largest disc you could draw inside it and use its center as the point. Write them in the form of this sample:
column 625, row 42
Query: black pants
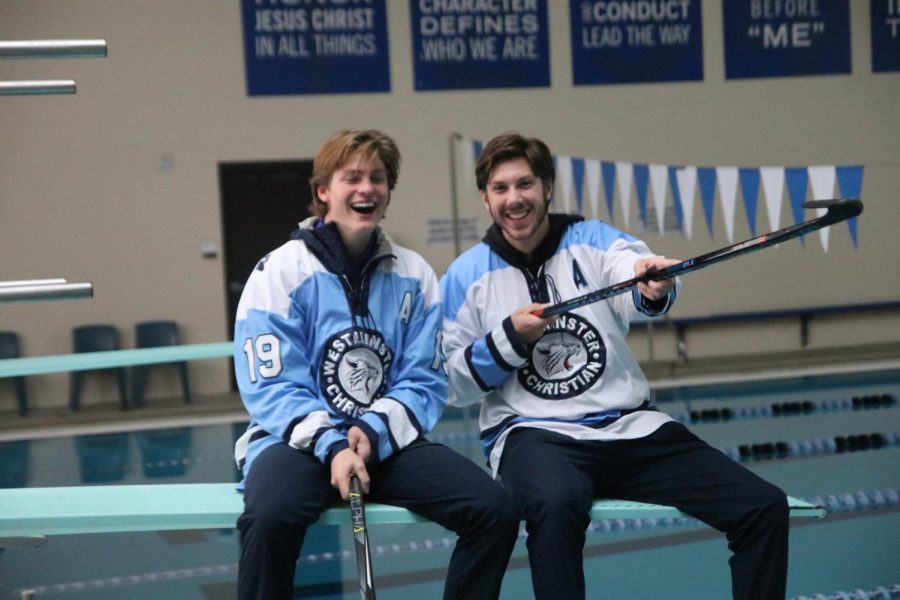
column 286, row 491
column 553, row 478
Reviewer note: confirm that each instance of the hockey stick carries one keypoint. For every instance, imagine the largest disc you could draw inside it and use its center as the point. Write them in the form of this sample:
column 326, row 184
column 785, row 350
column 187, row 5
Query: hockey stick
column 838, row 210
column 361, row 538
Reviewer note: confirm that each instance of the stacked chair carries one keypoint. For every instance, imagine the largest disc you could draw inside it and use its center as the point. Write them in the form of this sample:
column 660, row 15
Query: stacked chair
column 96, row 338
column 152, row 334
column 9, row 348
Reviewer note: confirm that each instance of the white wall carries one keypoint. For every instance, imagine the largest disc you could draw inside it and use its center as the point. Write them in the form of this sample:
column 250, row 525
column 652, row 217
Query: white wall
column 84, row 194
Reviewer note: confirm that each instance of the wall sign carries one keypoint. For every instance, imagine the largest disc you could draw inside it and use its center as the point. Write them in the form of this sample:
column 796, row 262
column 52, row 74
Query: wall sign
column 635, row 41
column 885, row 35
column 468, row 44
column 783, row 38
column 315, row 47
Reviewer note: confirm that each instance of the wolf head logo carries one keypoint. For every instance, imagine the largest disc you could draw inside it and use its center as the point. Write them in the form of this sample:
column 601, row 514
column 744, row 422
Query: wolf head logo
column 555, row 357
column 361, row 375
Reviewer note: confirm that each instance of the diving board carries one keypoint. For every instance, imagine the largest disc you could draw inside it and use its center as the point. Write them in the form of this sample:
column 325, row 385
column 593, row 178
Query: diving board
column 87, row 361
column 48, row 511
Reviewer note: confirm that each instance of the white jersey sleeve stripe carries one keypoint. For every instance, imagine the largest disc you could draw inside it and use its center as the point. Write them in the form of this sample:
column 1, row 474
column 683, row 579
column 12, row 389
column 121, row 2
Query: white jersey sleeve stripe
column 304, row 433
column 402, row 429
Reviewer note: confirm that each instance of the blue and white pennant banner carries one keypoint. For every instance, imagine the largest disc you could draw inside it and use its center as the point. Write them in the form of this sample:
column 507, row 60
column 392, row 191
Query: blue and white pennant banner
column 580, row 179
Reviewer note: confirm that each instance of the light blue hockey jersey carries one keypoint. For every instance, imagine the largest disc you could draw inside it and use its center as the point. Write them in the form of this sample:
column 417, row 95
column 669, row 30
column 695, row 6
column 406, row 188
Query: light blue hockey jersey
column 315, row 355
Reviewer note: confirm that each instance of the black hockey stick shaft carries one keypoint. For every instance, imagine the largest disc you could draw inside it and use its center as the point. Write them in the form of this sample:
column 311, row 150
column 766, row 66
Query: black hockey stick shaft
column 838, row 210
column 361, row 540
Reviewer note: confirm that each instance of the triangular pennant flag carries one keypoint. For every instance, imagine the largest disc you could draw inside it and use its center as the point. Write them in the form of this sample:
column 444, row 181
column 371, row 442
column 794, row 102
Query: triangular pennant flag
column 657, row 179
column 727, row 178
column 687, row 184
column 608, row 170
column 821, row 180
column 706, row 176
column 797, row 180
column 641, row 174
column 676, row 195
column 750, row 191
column 564, row 174
column 592, row 173
column 624, row 176
column 850, row 182
column 658, row 188
column 578, row 182
column 773, row 189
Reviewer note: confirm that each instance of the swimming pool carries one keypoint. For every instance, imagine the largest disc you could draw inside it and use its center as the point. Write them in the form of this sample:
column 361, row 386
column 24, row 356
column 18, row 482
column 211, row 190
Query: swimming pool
column 833, row 438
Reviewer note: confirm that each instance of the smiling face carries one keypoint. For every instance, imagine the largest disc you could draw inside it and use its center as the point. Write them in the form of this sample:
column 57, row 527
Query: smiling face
column 517, row 201
column 356, row 196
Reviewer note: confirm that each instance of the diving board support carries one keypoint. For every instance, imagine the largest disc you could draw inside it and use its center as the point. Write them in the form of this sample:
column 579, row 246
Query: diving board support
column 36, row 87
column 47, row 49
column 22, row 282
column 29, row 512
column 53, row 49
column 49, row 289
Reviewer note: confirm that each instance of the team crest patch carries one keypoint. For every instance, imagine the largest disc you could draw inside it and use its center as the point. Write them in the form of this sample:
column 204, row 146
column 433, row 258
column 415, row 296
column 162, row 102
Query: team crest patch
column 354, row 370
column 568, row 359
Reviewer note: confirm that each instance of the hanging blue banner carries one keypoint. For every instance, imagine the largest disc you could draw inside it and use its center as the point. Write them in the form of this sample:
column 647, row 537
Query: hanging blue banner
column 636, row 41
column 321, row 47
column 466, row 44
column 885, row 35
column 781, row 38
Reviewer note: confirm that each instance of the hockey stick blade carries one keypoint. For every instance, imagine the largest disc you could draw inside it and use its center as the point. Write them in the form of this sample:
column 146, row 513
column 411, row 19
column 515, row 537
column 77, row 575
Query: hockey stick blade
column 361, row 541
column 836, row 211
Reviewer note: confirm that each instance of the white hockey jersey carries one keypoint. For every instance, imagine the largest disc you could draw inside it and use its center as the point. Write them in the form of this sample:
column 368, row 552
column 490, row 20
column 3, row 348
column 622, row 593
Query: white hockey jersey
column 580, row 378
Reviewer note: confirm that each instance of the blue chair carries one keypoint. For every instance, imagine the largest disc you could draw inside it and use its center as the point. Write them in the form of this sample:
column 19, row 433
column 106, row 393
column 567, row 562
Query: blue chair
column 14, row 464
column 165, row 452
column 153, row 334
column 96, row 338
column 103, row 458
column 9, row 348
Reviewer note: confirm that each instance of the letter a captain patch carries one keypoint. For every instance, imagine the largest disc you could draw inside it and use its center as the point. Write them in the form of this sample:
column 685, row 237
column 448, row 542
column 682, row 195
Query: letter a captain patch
column 577, row 276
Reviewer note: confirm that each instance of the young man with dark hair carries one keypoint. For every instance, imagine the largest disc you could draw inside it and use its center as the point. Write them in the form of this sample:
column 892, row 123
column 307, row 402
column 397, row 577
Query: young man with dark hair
column 565, row 408
column 338, row 362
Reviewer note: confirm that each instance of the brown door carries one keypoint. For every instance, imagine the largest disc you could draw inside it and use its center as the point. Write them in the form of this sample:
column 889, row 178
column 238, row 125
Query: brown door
column 262, row 202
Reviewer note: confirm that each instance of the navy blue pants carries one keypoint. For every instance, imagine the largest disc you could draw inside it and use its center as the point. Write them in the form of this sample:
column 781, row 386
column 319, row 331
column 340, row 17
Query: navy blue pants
column 553, row 478
column 286, row 490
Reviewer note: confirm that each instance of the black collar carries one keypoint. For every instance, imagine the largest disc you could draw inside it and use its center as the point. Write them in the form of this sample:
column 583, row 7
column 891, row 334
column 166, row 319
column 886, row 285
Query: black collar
column 324, row 240
column 548, row 246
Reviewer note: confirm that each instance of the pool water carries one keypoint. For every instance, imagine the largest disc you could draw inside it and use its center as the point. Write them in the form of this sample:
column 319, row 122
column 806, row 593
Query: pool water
column 810, row 420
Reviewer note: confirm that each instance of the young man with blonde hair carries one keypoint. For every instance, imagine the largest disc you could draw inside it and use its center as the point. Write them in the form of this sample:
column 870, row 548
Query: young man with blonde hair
column 338, row 364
